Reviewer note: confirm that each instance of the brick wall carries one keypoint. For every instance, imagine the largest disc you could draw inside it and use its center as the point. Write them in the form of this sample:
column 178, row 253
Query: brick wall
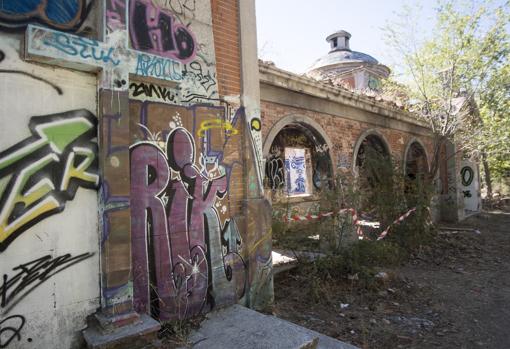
column 343, row 133
column 225, row 19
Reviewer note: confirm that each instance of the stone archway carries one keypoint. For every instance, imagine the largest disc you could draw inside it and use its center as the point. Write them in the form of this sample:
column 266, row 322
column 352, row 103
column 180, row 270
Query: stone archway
column 294, row 119
column 302, row 139
column 369, row 139
column 415, row 159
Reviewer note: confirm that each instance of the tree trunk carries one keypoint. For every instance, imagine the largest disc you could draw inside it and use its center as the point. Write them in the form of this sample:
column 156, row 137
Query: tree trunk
column 487, row 175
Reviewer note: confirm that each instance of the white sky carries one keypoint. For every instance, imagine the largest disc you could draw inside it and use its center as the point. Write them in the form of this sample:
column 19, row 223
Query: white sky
column 292, row 33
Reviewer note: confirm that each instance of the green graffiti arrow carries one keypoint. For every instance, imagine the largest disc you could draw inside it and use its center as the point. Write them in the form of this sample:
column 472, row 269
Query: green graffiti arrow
column 58, row 134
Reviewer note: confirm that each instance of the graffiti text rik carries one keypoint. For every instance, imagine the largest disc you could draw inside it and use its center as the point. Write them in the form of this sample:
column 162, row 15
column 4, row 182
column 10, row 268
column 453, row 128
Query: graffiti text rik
column 176, row 234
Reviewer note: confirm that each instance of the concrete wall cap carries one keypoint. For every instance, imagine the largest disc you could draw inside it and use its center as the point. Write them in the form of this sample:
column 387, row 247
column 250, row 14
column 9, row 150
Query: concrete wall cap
column 281, row 78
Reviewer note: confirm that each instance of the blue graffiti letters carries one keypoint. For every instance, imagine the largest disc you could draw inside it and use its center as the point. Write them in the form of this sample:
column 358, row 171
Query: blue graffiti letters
column 158, row 67
column 88, row 49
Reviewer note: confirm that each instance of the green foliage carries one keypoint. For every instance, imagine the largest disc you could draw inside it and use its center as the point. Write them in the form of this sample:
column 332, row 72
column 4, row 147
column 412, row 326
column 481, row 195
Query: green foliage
column 176, row 332
column 464, row 62
column 361, row 258
column 360, row 264
column 494, row 139
column 383, row 191
column 386, row 191
column 298, row 236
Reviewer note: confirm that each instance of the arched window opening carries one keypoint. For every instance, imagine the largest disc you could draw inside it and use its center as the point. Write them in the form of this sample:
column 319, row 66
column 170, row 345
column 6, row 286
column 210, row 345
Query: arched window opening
column 298, row 163
column 372, row 160
column 416, row 164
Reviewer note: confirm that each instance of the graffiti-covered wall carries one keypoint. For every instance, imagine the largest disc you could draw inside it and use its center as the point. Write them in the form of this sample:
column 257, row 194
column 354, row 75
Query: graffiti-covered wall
column 49, row 257
column 130, row 166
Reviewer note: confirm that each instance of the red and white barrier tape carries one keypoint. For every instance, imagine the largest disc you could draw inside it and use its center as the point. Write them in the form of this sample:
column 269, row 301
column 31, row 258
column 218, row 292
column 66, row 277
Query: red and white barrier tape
column 310, row 217
column 396, row 221
column 354, row 215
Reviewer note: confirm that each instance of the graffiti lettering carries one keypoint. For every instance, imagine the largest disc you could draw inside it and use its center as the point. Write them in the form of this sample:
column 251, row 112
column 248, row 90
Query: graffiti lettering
column 195, row 73
column 31, row 275
column 153, row 30
column 184, row 202
column 343, row 161
column 216, row 124
column 275, row 173
column 184, row 8
column 39, row 174
column 58, row 14
column 321, row 148
column 157, row 67
column 10, row 329
column 115, row 18
column 187, row 250
column 151, row 91
column 450, row 180
column 296, row 168
column 88, row 49
column 275, row 151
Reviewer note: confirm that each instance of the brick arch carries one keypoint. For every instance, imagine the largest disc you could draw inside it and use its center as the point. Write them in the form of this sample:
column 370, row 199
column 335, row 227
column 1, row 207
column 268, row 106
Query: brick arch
column 302, row 120
column 406, row 151
column 361, row 138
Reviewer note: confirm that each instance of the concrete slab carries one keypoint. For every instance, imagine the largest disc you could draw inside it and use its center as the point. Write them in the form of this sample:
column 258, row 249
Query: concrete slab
column 284, row 260
column 242, row 328
column 136, row 335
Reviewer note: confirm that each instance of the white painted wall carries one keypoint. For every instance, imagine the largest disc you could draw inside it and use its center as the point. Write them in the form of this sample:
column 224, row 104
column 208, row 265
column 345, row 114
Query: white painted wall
column 56, row 310
column 471, row 192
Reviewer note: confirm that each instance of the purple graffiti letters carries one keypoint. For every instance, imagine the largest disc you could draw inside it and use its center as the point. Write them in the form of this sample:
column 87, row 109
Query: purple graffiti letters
column 203, row 191
column 169, row 231
column 115, row 19
column 149, row 177
column 154, row 30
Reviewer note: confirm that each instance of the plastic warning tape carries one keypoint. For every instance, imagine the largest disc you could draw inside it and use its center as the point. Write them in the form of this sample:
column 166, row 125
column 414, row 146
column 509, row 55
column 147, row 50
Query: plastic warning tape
column 354, row 214
column 310, row 217
column 396, row 221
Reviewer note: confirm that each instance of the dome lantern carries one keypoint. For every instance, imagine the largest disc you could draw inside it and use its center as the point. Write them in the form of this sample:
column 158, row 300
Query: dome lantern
column 342, row 65
column 339, row 41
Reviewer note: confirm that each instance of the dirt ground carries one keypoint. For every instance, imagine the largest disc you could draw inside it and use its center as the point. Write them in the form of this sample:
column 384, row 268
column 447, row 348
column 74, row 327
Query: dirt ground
column 454, row 293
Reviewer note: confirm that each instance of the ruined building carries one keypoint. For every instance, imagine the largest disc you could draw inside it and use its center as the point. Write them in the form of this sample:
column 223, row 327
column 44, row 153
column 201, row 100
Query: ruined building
column 319, row 125
column 135, row 138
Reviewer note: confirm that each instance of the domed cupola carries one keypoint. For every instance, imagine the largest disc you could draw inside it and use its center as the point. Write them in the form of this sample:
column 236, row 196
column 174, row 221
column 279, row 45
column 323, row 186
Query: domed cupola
column 344, row 66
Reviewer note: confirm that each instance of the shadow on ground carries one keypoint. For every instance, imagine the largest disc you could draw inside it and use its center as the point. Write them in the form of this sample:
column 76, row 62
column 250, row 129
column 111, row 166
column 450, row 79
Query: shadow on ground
column 454, row 293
